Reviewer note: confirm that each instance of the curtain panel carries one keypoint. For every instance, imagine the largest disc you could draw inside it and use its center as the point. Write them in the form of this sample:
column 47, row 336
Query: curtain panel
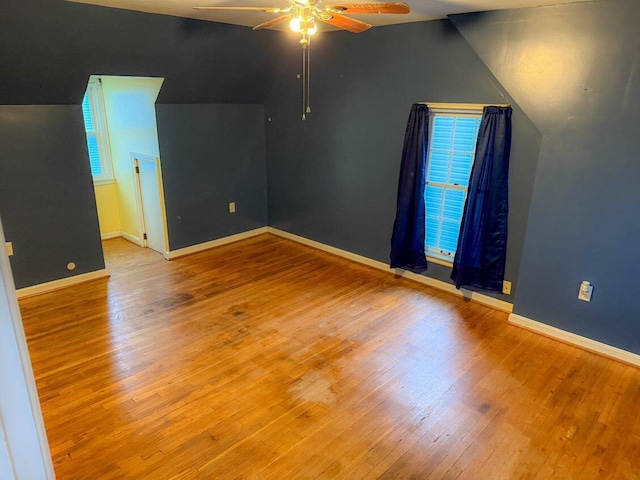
column 482, row 244
column 407, row 241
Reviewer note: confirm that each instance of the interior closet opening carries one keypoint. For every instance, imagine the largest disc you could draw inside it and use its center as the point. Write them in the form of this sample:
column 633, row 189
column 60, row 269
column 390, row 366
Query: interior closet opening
column 122, row 140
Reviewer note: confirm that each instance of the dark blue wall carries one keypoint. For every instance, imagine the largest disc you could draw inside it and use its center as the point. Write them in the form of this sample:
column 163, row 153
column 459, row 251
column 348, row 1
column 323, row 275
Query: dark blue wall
column 575, row 70
column 334, row 177
column 46, row 193
column 212, row 155
column 575, row 195
column 48, row 50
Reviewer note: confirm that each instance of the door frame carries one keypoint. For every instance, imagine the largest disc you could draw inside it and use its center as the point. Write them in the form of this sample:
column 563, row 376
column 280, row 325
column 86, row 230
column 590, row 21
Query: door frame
column 24, row 448
column 135, row 159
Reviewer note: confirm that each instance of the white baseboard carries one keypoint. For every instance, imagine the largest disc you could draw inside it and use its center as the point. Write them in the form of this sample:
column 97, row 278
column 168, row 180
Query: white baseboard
column 181, row 252
column 108, row 235
column 576, row 340
column 431, row 282
column 58, row 284
column 131, row 238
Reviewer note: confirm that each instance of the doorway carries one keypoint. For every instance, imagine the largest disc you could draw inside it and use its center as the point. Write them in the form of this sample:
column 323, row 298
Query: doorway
column 130, row 204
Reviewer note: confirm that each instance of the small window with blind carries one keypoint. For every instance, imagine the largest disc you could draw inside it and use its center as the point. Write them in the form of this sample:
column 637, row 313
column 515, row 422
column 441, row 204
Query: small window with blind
column 452, row 145
column 95, row 126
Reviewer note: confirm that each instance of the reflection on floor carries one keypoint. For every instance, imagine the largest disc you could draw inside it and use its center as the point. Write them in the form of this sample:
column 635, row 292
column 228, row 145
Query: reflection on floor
column 267, row 359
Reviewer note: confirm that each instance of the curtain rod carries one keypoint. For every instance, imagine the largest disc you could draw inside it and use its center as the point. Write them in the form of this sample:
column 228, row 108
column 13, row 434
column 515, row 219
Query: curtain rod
column 463, row 106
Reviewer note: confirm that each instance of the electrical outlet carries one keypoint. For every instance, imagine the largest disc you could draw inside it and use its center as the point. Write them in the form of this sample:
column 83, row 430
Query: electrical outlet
column 232, row 207
column 506, row 287
column 585, row 291
column 9, row 247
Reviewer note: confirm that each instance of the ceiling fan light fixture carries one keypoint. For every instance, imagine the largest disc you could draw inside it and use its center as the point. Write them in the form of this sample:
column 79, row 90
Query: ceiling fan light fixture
column 294, row 24
column 302, row 16
column 305, row 26
column 312, row 29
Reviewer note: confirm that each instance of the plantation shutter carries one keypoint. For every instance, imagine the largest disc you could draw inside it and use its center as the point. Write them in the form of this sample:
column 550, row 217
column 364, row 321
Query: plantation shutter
column 92, row 138
column 451, row 154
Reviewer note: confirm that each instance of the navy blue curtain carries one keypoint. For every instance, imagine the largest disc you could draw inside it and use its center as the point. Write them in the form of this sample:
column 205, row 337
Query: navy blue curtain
column 407, row 241
column 482, row 244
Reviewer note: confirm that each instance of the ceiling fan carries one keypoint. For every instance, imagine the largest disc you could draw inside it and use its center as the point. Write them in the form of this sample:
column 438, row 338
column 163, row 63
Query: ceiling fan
column 302, row 16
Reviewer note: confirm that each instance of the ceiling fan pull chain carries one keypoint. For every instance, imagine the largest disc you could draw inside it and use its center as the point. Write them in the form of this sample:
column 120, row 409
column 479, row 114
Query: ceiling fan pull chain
column 309, row 77
column 304, row 80
column 303, row 16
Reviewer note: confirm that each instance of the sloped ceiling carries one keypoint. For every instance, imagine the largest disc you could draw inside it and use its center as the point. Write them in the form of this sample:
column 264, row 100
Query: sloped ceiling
column 420, row 9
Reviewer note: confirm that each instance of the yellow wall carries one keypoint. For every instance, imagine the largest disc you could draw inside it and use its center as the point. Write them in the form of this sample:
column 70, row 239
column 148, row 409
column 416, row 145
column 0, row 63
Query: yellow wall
column 131, row 117
column 108, row 211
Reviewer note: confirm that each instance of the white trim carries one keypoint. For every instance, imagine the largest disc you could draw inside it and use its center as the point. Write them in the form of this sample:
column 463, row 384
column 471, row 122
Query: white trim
column 26, row 449
column 104, row 181
column 62, row 283
column 181, row 252
column 138, row 194
column 108, row 235
column 431, row 282
column 132, row 238
column 163, row 206
column 431, row 257
column 7, row 470
column 576, row 340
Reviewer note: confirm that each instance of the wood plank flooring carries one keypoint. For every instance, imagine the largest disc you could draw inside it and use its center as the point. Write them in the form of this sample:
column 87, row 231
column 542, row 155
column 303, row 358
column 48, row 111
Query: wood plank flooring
column 266, row 359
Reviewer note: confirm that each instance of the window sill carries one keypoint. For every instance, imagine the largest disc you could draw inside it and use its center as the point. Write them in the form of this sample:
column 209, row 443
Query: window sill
column 439, row 261
column 104, row 181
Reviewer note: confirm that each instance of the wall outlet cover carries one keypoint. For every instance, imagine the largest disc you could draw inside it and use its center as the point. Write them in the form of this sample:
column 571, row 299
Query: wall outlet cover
column 506, row 287
column 9, row 247
column 585, row 291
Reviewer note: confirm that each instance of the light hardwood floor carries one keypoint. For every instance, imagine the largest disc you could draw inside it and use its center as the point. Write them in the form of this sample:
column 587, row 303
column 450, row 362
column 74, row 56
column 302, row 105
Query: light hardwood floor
column 266, row 359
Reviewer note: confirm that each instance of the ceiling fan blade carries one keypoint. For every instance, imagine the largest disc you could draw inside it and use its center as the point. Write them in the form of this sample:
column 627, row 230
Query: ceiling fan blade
column 246, row 9
column 346, row 23
column 355, row 8
column 271, row 23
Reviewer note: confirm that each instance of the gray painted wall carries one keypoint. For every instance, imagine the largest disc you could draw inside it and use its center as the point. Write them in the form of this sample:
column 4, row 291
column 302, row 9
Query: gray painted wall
column 46, row 193
column 212, row 155
column 60, row 44
column 334, row 177
column 576, row 71
column 48, row 49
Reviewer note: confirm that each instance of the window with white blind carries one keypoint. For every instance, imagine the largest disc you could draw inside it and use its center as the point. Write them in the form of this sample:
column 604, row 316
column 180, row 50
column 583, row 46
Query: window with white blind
column 95, row 126
column 452, row 147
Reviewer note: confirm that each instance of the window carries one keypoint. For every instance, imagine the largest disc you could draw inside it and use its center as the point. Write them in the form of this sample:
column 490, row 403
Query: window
column 454, row 134
column 95, row 126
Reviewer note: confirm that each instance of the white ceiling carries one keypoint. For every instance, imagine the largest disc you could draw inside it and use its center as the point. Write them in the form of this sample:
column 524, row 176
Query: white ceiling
column 420, row 9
